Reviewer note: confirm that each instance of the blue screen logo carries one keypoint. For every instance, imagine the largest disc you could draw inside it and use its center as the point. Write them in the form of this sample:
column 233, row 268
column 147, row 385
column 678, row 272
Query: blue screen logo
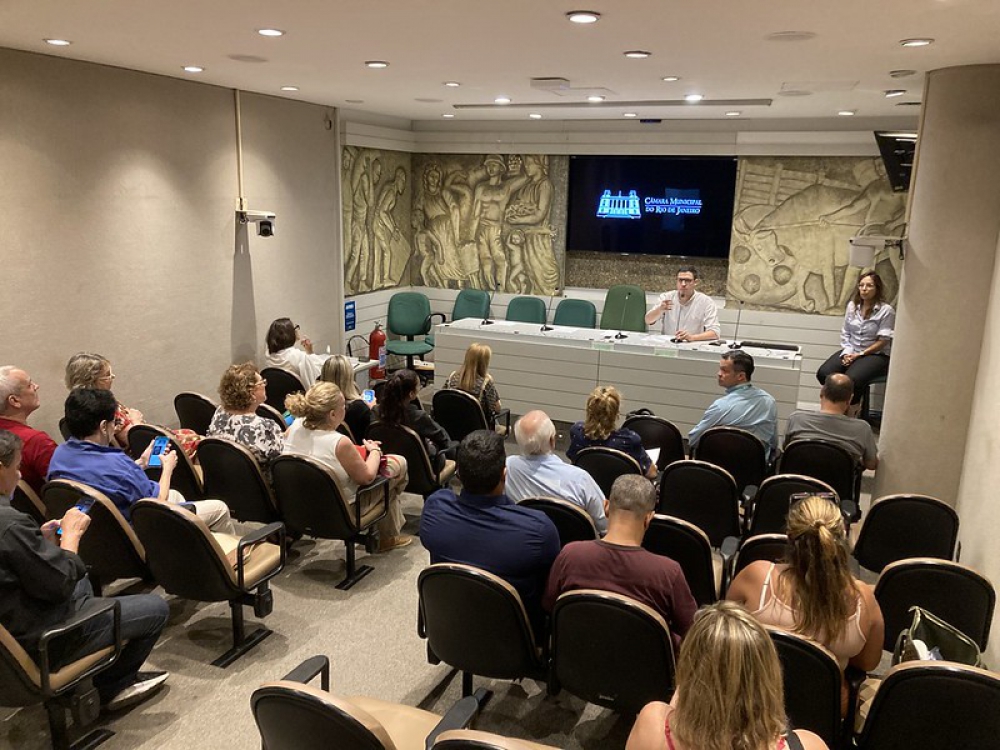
column 619, row 206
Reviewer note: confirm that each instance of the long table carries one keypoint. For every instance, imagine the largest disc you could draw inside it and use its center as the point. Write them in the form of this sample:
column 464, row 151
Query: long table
column 556, row 370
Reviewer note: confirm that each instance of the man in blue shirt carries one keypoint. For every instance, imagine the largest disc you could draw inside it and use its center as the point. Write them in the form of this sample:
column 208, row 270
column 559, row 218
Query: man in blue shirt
column 484, row 528
column 744, row 405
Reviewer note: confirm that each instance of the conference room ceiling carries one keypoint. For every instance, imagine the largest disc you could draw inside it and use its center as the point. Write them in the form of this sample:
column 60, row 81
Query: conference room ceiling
column 720, row 49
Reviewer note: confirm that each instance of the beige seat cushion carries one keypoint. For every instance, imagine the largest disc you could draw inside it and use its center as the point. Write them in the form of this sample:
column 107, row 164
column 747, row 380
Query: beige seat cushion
column 58, row 679
column 262, row 558
column 408, row 727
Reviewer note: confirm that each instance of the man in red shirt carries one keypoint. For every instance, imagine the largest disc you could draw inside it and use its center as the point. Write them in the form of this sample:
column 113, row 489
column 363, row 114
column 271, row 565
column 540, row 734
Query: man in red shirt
column 18, row 399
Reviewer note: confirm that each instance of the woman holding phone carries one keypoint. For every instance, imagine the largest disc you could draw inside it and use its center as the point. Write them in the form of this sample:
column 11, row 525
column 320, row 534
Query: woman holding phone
column 358, row 415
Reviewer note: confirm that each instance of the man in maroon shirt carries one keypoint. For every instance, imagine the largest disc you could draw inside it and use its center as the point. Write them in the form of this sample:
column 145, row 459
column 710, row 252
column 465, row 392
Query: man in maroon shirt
column 18, row 399
column 618, row 563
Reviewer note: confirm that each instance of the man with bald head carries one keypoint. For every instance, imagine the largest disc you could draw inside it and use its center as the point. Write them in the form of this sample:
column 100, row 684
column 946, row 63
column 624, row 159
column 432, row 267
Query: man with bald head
column 18, row 399
column 832, row 424
column 539, row 472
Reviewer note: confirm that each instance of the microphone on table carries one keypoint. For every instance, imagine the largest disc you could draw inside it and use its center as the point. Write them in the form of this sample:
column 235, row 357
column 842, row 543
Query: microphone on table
column 621, row 322
column 548, row 310
column 489, row 307
column 735, row 343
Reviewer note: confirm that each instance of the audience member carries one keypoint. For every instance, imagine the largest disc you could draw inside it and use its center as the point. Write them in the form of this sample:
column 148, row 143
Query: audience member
column 539, row 472
column 832, row 424
column 399, row 406
column 730, row 692
column 319, row 412
column 89, row 457
column 745, row 405
column 618, row 562
column 814, row 593
column 18, row 399
column 338, row 370
column 43, row 583
column 304, row 363
column 598, row 428
column 474, row 377
column 241, row 391
column 484, row 528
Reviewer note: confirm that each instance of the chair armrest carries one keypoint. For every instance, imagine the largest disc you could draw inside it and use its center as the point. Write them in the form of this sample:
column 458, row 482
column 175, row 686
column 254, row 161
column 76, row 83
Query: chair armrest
column 90, row 611
column 505, row 414
column 853, row 677
column 429, row 318
column 728, row 550
column 749, row 495
column 379, row 483
column 307, row 671
column 851, row 512
column 459, row 716
column 255, row 537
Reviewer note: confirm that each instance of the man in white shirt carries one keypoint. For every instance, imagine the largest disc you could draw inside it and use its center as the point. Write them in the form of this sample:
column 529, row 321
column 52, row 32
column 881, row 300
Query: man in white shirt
column 539, row 472
column 686, row 314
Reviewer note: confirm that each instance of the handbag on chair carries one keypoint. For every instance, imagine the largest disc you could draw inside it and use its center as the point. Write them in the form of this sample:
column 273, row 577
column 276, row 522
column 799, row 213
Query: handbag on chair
column 928, row 633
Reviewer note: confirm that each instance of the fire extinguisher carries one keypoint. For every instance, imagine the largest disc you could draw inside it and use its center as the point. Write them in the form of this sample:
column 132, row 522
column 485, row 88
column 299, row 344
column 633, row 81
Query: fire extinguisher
column 376, row 351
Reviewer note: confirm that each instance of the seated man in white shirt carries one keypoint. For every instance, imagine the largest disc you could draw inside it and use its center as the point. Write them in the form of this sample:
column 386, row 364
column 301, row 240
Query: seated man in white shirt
column 539, row 472
column 832, row 424
column 685, row 314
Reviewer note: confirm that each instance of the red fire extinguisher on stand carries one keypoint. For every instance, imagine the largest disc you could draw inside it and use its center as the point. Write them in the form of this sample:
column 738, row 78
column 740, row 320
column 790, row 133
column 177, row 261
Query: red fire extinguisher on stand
column 376, row 352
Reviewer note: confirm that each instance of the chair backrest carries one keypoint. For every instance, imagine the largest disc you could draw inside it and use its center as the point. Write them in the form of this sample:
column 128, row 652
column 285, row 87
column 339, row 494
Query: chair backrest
column 64, row 429
column 232, row 474
column 737, row 451
column 703, row 494
column 269, row 412
column 527, row 310
column 194, row 411
column 688, row 546
column 902, row 526
column 183, row 554
column 605, row 465
column 812, row 680
column 279, row 385
column 572, row 522
column 828, row 462
column 956, row 593
column 309, row 499
column 579, row 313
column 471, row 303
column 934, row 704
column 293, row 716
column 27, row 501
column 624, row 309
column 769, row 514
column 402, row 441
column 185, row 479
column 458, row 412
column 409, row 314
column 657, row 432
column 611, row 650
column 475, row 621
column 770, row 547
column 110, row 547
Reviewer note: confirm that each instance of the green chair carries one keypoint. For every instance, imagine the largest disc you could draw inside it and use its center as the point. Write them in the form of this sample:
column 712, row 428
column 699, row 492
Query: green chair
column 409, row 316
column 624, row 309
column 527, row 310
column 579, row 313
column 470, row 303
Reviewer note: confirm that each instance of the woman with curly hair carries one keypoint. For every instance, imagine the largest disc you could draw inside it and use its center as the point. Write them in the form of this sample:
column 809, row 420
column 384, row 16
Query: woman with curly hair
column 242, row 390
column 598, row 429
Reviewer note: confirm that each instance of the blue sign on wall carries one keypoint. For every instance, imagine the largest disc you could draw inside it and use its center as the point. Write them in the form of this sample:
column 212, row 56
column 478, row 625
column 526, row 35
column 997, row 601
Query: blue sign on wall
column 350, row 316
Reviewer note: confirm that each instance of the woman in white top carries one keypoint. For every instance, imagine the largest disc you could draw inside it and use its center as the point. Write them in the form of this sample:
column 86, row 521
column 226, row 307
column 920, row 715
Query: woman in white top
column 282, row 335
column 319, row 412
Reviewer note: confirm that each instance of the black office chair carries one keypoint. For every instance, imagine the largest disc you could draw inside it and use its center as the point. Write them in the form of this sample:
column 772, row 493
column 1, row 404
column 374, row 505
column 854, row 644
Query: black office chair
column 703, row 494
column 956, row 593
column 688, row 546
column 610, row 650
column 605, row 465
column 769, row 547
column 812, row 680
column 828, row 462
column 768, row 510
column 27, row 501
column 925, row 704
column 657, row 432
column 572, row 522
column 232, row 474
column 739, row 452
column 185, row 479
column 902, row 526
column 460, row 413
column 402, row 441
column 475, row 622
column 279, row 385
column 194, row 411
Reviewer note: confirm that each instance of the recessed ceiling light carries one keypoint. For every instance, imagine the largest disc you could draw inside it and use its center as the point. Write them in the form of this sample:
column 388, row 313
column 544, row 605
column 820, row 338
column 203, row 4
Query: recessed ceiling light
column 58, row 42
column 583, row 16
column 637, row 54
column 891, row 93
column 693, row 98
column 377, row 64
column 535, row 116
column 595, row 98
column 447, row 116
column 270, row 32
column 193, row 69
column 902, row 73
column 847, row 113
column 502, row 100
column 734, row 113
column 452, row 84
column 670, row 79
column 790, row 36
column 916, row 42
column 629, row 114
column 289, row 88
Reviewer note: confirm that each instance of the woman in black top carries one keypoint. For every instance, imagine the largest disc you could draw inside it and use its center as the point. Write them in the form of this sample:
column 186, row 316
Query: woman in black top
column 399, row 405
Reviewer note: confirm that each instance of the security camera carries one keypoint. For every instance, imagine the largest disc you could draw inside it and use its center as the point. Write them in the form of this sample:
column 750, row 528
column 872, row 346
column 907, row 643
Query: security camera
column 263, row 219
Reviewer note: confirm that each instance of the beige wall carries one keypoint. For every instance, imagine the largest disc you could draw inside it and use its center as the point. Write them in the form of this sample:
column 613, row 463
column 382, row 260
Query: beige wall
column 119, row 235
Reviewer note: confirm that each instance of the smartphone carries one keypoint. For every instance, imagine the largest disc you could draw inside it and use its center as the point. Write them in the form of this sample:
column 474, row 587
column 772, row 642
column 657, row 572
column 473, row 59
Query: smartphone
column 85, row 504
column 368, row 395
column 287, row 416
column 159, row 445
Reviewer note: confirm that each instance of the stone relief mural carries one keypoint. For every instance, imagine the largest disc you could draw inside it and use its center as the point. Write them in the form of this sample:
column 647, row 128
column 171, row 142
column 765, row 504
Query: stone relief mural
column 378, row 236
column 791, row 225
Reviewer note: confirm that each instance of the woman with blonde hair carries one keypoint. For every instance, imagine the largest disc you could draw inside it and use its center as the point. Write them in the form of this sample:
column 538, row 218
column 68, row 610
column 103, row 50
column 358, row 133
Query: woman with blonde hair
column 729, row 692
column 813, row 592
column 474, row 377
column 319, row 412
column 598, row 428
column 339, row 371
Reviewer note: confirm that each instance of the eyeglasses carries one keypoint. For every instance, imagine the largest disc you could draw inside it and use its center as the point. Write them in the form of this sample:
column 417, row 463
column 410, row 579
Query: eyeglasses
column 685, row 281
column 797, row 497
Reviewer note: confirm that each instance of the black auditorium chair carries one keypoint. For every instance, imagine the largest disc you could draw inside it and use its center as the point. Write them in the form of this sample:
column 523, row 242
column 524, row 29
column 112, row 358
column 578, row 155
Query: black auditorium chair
column 703, row 494
column 739, row 452
column 769, row 547
column 402, row 441
column 232, row 474
column 605, row 465
column 572, row 522
column 269, row 412
column 194, row 411
column 461, row 413
column 688, row 546
column 27, row 501
column 657, row 432
column 186, row 479
column 768, row 510
column 828, row 462
column 279, row 385
column 812, row 679
column 902, row 526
